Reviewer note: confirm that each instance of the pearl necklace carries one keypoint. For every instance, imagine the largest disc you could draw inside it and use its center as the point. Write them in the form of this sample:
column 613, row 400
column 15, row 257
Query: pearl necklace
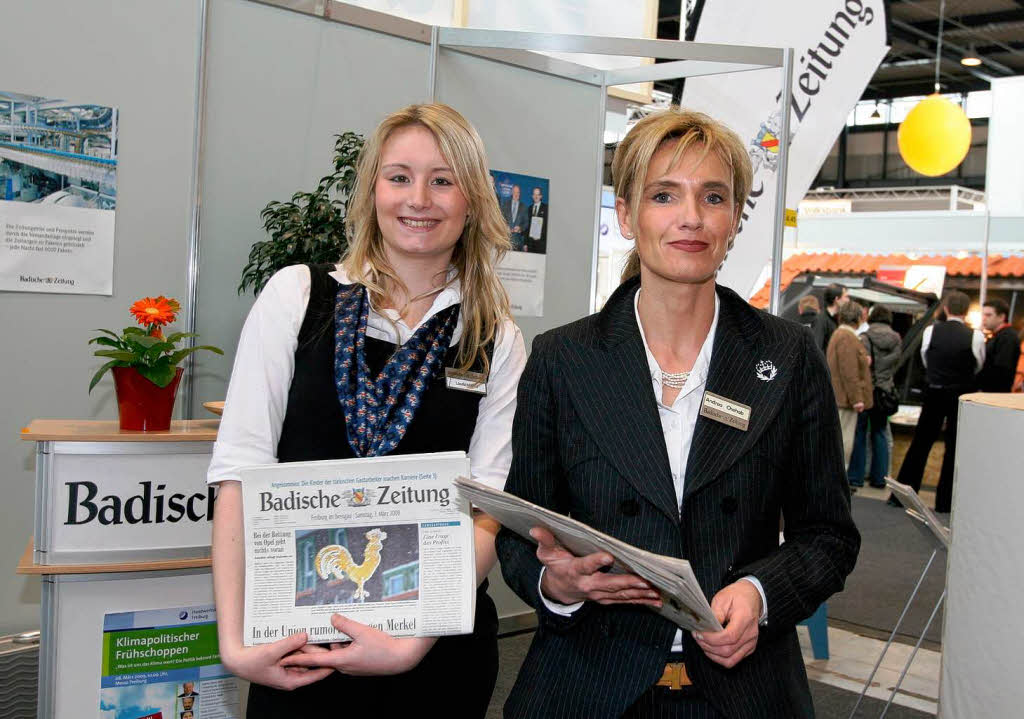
column 675, row 380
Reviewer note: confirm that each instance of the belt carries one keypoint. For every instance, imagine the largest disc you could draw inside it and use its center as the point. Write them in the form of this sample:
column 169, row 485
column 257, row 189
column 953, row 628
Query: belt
column 674, row 676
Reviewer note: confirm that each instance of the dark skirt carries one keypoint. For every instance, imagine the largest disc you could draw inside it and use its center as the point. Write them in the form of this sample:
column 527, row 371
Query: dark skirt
column 455, row 678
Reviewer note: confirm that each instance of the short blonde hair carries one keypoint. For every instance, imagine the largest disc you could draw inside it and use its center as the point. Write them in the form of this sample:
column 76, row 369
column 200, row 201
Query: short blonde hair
column 688, row 128
column 808, row 302
column 484, row 240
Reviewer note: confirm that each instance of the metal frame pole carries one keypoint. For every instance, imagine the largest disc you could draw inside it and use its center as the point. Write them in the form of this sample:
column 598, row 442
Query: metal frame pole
column 910, row 659
column 194, row 239
column 596, row 250
column 983, row 289
column 432, row 68
column 780, row 182
column 895, row 629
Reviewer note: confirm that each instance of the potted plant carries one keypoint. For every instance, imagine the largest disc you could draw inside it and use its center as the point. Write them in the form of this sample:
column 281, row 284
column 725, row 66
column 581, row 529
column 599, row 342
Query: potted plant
column 145, row 363
column 311, row 226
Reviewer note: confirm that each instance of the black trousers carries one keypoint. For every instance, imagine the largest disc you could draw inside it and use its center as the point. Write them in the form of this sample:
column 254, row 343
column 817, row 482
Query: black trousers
column 456, row 678
column 665, row 703
column 941, row 404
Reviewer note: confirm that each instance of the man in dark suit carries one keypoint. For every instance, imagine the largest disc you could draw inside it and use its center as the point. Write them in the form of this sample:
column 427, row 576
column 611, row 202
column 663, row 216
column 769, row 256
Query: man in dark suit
column 1002, row 350
column 614, row 427
column 835, row 296
column 953, row 353
column 516, row 217
column 537, row 224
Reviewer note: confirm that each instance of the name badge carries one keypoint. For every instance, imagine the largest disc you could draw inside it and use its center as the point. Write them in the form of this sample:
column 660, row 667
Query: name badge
column 465, row 381
column 724, row 410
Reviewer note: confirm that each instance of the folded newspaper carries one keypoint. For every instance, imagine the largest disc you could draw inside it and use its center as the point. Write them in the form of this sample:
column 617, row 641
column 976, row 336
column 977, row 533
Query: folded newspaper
column 917, row 509
column 386, row 541
column 683, row 600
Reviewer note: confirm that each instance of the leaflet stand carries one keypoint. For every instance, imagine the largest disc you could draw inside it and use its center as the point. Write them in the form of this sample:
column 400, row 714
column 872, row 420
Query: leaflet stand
column 938, row 535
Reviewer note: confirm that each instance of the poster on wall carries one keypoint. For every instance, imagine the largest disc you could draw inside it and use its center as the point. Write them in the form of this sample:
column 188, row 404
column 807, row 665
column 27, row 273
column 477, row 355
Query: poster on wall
column 58, row 193
column 524, row 203
column 164, row 664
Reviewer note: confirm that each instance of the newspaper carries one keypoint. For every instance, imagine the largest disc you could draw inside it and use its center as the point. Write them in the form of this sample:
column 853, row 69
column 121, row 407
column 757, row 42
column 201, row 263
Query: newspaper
column 682, row 600
column 919, row 511
column 386, row 541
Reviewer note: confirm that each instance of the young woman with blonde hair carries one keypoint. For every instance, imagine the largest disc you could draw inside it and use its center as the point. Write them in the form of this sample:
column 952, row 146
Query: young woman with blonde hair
column 425, row 233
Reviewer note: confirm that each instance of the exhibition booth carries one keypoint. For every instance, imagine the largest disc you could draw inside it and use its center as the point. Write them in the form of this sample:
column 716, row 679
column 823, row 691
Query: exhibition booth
column 235, row 103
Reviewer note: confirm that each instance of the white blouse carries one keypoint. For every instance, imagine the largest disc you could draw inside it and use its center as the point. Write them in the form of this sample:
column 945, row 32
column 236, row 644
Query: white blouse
column 257, row 396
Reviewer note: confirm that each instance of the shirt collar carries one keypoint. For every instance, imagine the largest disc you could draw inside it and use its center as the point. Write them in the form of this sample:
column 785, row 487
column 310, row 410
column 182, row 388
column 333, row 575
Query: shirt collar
column 384, row 320
column 699, row 373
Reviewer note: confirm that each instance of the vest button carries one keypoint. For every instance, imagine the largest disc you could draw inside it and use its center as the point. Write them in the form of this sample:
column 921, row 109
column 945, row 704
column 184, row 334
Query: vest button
column 729, row 505
column 629, row 507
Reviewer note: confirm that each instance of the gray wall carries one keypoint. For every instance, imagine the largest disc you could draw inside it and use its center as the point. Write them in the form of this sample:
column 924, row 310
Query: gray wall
column 139, row 57
column 280, row 85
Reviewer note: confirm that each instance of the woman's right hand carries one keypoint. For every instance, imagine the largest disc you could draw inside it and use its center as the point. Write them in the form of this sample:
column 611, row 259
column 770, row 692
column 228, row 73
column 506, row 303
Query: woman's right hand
column 262, row 664
column 569, row 579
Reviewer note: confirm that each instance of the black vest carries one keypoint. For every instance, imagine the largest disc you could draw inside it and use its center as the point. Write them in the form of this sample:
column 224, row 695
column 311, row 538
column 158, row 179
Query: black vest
column 949, row 357
column 314, row 424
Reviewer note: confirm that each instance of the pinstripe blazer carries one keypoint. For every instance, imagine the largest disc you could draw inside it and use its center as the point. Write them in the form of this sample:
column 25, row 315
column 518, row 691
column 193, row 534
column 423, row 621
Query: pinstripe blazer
column 587, row 441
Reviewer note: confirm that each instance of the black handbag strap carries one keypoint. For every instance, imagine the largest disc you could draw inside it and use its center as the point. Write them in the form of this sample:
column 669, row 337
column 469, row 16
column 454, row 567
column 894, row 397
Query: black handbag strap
column 872, row 344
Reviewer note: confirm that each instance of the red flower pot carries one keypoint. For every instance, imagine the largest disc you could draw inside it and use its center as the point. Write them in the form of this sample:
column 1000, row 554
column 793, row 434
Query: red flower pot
column 142, row 405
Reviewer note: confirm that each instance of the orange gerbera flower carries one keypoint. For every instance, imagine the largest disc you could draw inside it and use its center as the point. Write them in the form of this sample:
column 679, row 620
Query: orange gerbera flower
column 155, row 310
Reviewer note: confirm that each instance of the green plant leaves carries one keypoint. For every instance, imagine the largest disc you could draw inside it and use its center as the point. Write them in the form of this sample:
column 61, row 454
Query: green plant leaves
column 101, row 371
column 309, row 228
column 161, row 373
column 119, row 355
column 182, row 354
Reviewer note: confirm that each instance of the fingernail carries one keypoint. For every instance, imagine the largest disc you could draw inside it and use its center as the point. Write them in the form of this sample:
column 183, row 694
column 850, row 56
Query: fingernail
column 698, row 636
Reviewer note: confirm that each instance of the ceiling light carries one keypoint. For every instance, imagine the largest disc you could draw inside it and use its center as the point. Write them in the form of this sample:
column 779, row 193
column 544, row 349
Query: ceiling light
column 876, row 115
column 970, row 58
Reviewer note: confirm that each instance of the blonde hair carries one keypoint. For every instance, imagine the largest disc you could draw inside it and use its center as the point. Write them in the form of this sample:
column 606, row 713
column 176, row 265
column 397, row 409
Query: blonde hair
column 484, row 239
column 687, row 128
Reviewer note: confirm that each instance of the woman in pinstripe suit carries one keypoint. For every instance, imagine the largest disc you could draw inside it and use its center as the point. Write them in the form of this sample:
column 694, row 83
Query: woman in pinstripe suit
column 612, row 428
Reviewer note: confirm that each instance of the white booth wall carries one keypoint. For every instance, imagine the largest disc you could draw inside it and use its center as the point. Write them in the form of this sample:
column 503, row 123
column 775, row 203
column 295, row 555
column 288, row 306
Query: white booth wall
column 140, row 57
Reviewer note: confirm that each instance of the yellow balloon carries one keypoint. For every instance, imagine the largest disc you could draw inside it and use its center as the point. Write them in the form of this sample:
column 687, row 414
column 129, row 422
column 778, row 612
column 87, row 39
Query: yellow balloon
column 935, row 136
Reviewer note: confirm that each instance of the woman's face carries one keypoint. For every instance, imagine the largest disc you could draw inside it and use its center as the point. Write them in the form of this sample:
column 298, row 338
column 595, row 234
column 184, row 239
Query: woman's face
column 686, row 218
column 420, row 210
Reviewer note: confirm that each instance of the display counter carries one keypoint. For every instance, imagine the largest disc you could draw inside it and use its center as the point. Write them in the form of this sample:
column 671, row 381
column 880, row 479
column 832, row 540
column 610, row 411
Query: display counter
column 121, row 542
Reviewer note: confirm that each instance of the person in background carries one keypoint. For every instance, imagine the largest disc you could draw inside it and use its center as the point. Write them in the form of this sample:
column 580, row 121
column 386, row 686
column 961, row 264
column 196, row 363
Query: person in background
column 609, row 428
column 835, row 297
column 516, row 217
column 863, row 326
column 953, row 354
column 1018, row 380
column 538, row 216
column 883, row 345
column 415, row 296
column 1002, row 351
column 851, row 376
column 809, row 308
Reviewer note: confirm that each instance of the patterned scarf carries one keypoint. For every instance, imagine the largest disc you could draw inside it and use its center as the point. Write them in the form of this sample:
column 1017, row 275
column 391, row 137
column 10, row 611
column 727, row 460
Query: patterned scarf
column 378, row 410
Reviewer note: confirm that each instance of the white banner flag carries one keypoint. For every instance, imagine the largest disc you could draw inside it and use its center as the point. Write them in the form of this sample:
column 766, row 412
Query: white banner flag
column 837, row 45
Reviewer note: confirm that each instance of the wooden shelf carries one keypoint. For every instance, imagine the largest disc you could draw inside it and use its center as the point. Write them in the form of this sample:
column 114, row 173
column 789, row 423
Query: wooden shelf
column 27, row 566
column 77, row 430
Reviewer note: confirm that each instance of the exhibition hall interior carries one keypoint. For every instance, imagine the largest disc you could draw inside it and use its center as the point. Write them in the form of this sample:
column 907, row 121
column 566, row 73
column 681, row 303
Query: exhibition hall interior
column 484, row 231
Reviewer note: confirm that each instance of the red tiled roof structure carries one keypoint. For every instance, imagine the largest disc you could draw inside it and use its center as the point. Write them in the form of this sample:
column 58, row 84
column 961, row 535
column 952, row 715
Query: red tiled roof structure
column 828, row 263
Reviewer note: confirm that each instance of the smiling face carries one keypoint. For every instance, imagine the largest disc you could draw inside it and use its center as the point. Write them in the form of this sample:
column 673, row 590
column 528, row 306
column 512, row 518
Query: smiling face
column 687, row 216
column 537, row 196
column 420, row 210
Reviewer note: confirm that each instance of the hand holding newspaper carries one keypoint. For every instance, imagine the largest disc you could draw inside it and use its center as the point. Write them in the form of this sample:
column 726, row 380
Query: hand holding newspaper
column 386, row 541
column 683, row 601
